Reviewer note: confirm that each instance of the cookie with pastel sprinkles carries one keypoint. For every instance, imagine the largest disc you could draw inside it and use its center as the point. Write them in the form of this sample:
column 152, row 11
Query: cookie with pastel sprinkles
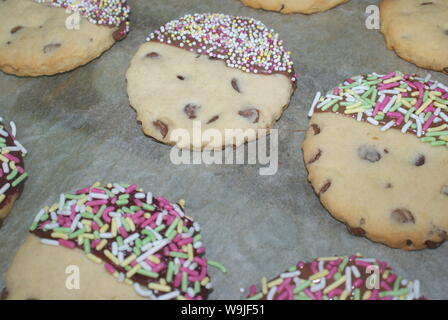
column 151, row 248
column 377, row 156
column 12, row 168
column 203, row 75
column 46, row 37
column 293, row 6
column 417, row 30
column 338, row 278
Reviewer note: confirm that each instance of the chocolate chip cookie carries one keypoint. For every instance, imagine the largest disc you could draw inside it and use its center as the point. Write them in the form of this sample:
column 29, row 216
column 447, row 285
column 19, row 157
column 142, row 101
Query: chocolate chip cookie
column 294, row 6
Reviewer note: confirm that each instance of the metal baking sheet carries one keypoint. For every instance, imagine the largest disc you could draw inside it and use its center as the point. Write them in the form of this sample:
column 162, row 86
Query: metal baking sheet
column 79, row 128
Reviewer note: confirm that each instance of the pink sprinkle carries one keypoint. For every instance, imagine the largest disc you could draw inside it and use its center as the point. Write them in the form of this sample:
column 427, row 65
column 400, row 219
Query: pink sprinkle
column 123, row 232
column 94, row 243
column 350, row 81
column 96, row 203
column 385, row 286
column 177, row 279
column 1, row 173
column 309, row 293
column 445, row 96
column 362, row 263
column 146, row 223
column 336, row 91
column 81, row 191
column 314, row 267
column 283, row 296
column 11, row 157
column 200, row 250
column 134, row 263
column 335, row 292
column 200, row 261
column 284, row 284
column 382, row 86
column 388, row 76
column 396, row 115
column 138, row 202
column 391, row 277
column 252, row 290
column 331, row 273
column 189, row 271
column 20, row 169
column 109, row 268
column 158, row 267
column 95, row 190
column 131, row 188
column 374, row 295
column 95, row 226
column 358, row 283
column 300, row 264
column 429, row 122
column 67, row 243
column 185, row 241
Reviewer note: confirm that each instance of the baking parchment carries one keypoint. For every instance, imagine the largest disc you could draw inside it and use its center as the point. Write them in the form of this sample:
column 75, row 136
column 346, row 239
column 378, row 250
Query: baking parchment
column 79, row 128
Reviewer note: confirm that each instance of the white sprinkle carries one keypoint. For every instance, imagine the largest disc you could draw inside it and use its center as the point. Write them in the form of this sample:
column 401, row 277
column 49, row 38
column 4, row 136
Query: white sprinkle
column 196, row 226
column 373, row 121
column 389, row 92
column 290, row 274
column 145, row 266
column 416, row 289
column 149, row 198
column 197, row 244
column 139, row 195
column 54, row 216
column 332, row 96
column 49, row 242
column 355, row 271
column 75, row 222
column 169, row 295
column 191, row 292
column 419, row 128
column 121, row 277
column 390, row 104
column 160, row 218
column 61, row 201
column 51, row 226
column 320, row 105
column 437, row 112
column 5, row 188
column 118, row 187
column 3, row 132
column 271, row 293
column 152, row 250
column 406, row 126
column 114, row 248
column 443, row 116
column 5, row 167
column 242, row 290
column 106, row 235
column 99, row 196
column 209, row 285
column 131, row 238
column 428, row 77
column 441, row 86
column 13, row 128
column 143, row 291
column 317, row 287
column 21, row 147
column 348, row 279
column 178, row 210
column 359, row 116
column 120, row 256
column 388, row 125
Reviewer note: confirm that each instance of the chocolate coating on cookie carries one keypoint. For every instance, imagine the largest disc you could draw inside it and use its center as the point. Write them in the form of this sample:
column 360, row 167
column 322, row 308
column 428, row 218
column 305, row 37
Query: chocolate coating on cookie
column 394, row 101
column 338, row 278
column 242, row 43
column 147, row 241
column 12, row 168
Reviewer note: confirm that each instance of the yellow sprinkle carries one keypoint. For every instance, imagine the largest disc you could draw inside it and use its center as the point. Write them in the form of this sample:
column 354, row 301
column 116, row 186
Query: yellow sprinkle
column 181, row 297
column 423, row 107
column 111, row 257
column 2, row 197
column 356, row 105
column 406, row 103
column 154, row 259
column 89, row 209
column 104, row 228
column 182, row 203
column 101, row 245
column 5, row 151
column 3, row 159
column 80, row 240
column 335, row 284
column 319, row 275
column 159, row 287
column 344, row 295
column 81, row 201
column 128, row 281
column 86, row 222
column 386, row 274
column 415, row 94
column 366, row 295
column 180, row 225
column 12, row 165
column 59, row 235
column 444, row 138
column 133, row 271
column 274, row 283
column 88, row 236
column 96, row 184
column 395, row 79
column 163, row 281
column 264, row 285
column 400, row 89
column 436, row 93
column 147, row 215
column 328, row 258
column 115, row 274
column 190, row 252
column 350, row 111
column 54, row 207
column 439, row 128
column 131, row 224
column 94, row 258
column 114, row 228
column 440, row 105
column 128, row 260
column 205, row 281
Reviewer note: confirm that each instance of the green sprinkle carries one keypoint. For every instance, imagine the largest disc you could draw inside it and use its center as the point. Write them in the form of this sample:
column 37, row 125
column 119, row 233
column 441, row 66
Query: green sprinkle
column 100, row 211
column 122, row 202
column 184, row 281
column 258, row 296
column 148, row 273
column 329, row 104
column 86, row 246
column 379, row 117
column 397, row 283
column 436, row 133
column 408, row 114
column 159, row 228
column 136, row 251
column 438, row 143
column 197, row 237
column 148, row 207
column 343, row 264
column 44, row 217
column 12, row 175
column 396, row 106
column 76, row 233
column 138, row 242
column 217, row 265
column 19, row 179
column 401, row 292
column 169, row 274
column 33, row 226
column 335, row 107
column 125, row 224
column 357, row 294
column 303, row 285
column 172, row 226
column 98, row 221
column 197, row 287
column 414, row 126
column 87, row 215
column 427, row 139
column 427, row 115
column 302, row 296
column 292, row 269
column 337, row 276
column 175, row 254
column 134, row 208
column 171, row 235
column 96, row 234
column 120, row 241
column 63, row 230
column 72, row 196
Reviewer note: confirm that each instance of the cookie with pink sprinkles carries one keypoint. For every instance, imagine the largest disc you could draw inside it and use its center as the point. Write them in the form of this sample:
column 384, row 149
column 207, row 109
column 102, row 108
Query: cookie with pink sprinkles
column 376, row 153
column 207, row 81
column 12, row 168
column 338, row 278
column 111, row 242
column 46, row 37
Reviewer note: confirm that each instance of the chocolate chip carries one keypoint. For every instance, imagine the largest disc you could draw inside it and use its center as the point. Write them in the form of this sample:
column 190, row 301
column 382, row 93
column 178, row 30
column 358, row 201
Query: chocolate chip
column 433, row 244
column 409, row 243
column 162, row 127
column 444, row 190
column 325, row 187
column 316, row 157
column 190, row 110
column 213, row 119
column 180, row 78
column 8, row 43
column 369, row 153
column 402, row 216
column 386, row 151
column 282, row 8
column 4, row 294
column 359, row 232
column 389, row 186
column 446, row 32
column 426, row 3
column 362, row 221
column 419, row 160
column 152, row 55
column 445, row 69
column 1, row 223
column 51, row 47
column 235, row 85
column 252, row 115
column 316, row 129
column 212, row 58
column 15, row 29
